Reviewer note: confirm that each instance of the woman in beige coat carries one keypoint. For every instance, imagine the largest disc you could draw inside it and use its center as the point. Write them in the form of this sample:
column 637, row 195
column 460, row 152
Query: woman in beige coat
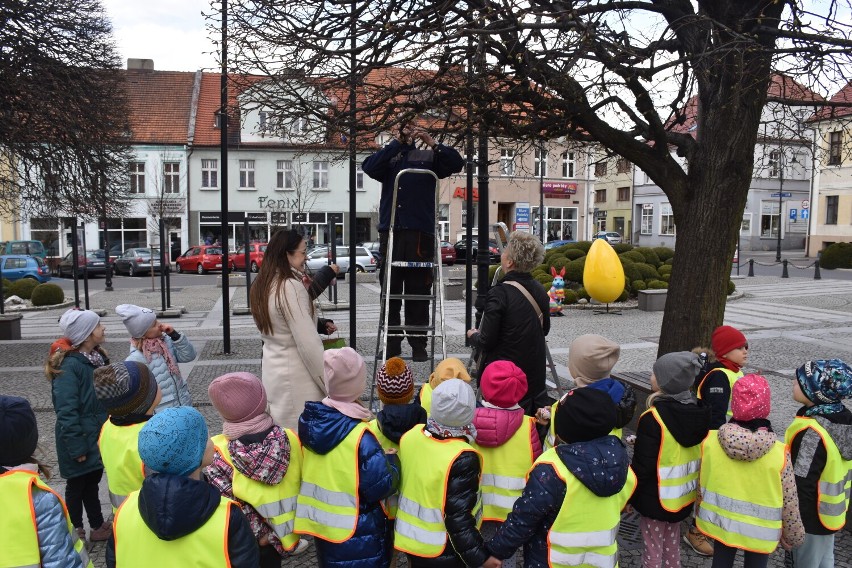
column 292, row 371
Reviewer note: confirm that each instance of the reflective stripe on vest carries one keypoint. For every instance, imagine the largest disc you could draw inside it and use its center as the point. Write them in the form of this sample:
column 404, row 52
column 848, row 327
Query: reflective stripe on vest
column 741, row 502
column 835, row 479
column 275, row 503
column 677, row 469
column 426, row 398
column 136, row 546
column 732, row 378
column 576, row 537
column 18, row 523
column 327, row 505
column 504, row 472
column 426, row 463
column 120, row 455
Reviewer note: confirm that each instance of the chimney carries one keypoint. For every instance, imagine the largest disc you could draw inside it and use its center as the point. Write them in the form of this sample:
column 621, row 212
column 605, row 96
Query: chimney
column 142, row 64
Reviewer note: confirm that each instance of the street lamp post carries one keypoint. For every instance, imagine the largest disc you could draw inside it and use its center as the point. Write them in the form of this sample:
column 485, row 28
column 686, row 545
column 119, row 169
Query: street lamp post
column 780, row 202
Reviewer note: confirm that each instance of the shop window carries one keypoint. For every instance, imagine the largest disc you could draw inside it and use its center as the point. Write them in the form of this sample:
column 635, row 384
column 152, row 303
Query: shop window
column 769, row 219
column 647, row 220
column 667, row 224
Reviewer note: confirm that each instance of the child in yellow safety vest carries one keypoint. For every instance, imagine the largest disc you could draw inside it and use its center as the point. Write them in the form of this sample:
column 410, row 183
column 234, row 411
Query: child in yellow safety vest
column 667, row 456
column 395, row 386
column 345, row 473
column 570, row 509
column 508, row 442
column 35, row 529
column 820, row 443
column 258, row 464
column 176, row 518
column 449, row 368
column 746, row 489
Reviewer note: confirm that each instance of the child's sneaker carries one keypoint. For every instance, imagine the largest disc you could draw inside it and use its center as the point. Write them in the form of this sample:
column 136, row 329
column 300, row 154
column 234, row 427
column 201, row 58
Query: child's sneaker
column 698, row 542
column 104, row 532
column 301, row 546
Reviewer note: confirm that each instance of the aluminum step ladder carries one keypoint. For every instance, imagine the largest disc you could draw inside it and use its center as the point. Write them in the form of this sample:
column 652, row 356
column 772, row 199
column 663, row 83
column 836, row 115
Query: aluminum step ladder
column 435, row 329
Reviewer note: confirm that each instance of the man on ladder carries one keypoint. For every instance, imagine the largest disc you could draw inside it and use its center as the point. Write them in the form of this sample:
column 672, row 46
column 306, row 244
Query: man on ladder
column 414, row 226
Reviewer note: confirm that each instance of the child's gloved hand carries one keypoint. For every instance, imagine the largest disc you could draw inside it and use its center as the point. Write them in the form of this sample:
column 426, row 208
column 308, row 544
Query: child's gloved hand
column 542, row 415
column 166, row 328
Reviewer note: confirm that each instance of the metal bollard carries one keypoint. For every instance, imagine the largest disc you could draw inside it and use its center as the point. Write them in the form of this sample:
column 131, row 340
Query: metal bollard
column 751, row 267
column 784, row 274
column 817, row 275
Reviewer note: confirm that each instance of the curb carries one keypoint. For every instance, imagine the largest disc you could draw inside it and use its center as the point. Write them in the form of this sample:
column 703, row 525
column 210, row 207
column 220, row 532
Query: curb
column 68, row 302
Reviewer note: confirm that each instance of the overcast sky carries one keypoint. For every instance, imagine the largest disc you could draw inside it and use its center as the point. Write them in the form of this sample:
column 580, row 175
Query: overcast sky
column 171, row 33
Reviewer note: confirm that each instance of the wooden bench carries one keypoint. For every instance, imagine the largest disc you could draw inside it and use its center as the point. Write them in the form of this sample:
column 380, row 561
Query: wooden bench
column 641, row 383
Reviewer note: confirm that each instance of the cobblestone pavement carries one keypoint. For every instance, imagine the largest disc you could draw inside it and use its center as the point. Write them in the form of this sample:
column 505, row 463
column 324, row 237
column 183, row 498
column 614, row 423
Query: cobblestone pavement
column 787, row 322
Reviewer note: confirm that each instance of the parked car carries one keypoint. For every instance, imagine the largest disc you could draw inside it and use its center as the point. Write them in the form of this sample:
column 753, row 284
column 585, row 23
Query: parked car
column 17, row 266
column 364, row 259
column 609, row 236
column 256, row 252
column 461, row 250
column 94, row 261
column 557, row 243
column 31, row 248
column 137, row 261
column 200, row 259
column 448, row 253
column 375, row 250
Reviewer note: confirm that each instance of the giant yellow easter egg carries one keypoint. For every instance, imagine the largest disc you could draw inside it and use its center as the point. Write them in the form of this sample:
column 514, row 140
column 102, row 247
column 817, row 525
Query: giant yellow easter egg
column 603, row 275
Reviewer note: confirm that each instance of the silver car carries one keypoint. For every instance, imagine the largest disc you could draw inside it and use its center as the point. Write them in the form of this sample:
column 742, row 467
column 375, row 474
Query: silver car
column 611, row 237
column 364, row 260
column 137, row 261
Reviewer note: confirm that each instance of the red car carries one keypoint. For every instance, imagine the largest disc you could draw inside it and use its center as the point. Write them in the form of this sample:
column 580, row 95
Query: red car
column 256, row 252
column 200, row 259
column 448, row 253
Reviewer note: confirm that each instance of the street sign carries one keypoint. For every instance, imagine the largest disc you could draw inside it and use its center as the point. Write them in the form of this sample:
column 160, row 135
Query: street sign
column 785, row 194
column 793, row 214
column 804, row 214
column 806, row 204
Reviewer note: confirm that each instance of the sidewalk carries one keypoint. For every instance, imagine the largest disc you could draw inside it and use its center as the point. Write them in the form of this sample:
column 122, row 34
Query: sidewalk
column 786, row 323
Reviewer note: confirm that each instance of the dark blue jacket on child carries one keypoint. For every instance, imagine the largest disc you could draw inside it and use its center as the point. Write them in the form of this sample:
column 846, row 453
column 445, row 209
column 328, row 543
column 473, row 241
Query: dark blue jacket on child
column 321, row 429
column 601, row 465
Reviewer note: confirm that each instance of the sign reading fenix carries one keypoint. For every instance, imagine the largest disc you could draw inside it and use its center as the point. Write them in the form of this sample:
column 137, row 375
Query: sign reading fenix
column 280, row 204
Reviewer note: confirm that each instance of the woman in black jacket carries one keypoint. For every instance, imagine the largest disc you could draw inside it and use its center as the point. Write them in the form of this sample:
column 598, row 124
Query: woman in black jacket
column 511, row 328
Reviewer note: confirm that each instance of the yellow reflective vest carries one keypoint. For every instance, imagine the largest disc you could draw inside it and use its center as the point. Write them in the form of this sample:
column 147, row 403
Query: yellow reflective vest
column 390, row 504
column 426, row 398
column 585, row 528
column 835, row 480
column 327, row 505
column 504, row 472
column 732, row 376
column 136, row 546
column 426, row 463
column 120, row 454
column 275, row 503
column 677, row 469
column 18, row 522
column 741, row 502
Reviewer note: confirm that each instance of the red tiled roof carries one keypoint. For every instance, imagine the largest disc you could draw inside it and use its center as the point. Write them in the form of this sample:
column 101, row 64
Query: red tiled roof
column 160, row 105
column 844, row 95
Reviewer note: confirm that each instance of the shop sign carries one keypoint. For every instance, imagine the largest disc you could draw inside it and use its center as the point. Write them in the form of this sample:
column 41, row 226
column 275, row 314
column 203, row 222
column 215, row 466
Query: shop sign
column 558, row 189
column 461, row 193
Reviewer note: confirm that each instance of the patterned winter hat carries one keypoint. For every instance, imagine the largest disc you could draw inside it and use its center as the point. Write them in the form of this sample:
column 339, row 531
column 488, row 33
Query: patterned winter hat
column 125, row 388
column 395, row 382
column 174, row 441
column 751, row 398
column 825, row 381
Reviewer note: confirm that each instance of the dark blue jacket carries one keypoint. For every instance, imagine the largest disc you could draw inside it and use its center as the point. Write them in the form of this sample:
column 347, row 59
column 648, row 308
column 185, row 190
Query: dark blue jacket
column 174, row 506
column 601, row 465
column 415, row 207
column 396, row 419
column 322, row 429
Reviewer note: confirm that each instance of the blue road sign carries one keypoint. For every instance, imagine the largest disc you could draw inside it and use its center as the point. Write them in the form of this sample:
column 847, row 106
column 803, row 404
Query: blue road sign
column 804, row 213
column 793, row 214
column 785, row 194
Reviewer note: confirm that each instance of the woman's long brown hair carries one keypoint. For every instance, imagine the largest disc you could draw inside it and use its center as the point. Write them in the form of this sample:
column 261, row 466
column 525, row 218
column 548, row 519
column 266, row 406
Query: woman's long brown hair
column 274, row 271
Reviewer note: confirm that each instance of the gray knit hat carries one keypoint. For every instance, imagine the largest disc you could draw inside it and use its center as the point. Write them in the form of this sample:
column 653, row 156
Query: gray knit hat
column 453, row 404
column 78, row 325
column 137, row 320
column 676, row 372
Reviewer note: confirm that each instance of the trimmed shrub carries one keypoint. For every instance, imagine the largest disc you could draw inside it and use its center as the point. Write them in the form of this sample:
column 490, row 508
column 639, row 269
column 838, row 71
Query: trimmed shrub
column 650, row 256
column 664, row 253
column 731, row 287
column 669, row 262
column 838, row 255
column 647, row 271
column 630, row 271
column 558, row 263
column 624, row 296
column 622, row 247
column 23, row 288
column 570, row 297
column 632, row 256
column 574, row 270
column 6, row 285
column 581, row 245
column 491, row 271
column 574, row 254
column 47, row 295
column 665, row 269
column 639, row 285
column 581, row 293
column 657, row 285
column 545, row 280
column 666, row 277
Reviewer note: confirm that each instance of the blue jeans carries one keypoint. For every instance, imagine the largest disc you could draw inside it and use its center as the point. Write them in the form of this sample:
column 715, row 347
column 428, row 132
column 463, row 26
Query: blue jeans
column 817, row 552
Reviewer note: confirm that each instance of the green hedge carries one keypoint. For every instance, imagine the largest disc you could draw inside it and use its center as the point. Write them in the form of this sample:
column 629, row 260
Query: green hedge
column 837, row 255
column 632, row 256
column 657, row 285
column 731, row 287
column 570, row 297
column 574, row 270
column 23, row 288
column 47, row 295
column 647, row 271
column 574, row 254
column 664, row 253
column 639, row 285
column 622, row 247
column 665, row 269
column 650, row 255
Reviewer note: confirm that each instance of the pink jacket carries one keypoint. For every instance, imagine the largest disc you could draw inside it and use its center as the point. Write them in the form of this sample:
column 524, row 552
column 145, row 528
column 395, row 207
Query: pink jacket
column 494, row 427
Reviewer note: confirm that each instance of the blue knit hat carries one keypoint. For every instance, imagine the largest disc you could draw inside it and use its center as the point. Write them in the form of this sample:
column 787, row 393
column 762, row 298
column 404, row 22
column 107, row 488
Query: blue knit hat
column 825, row 381
column 174, row 440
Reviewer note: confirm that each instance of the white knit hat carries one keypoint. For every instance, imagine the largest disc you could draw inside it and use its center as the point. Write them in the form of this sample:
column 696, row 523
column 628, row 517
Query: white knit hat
column 78, row 325
column 137, row 320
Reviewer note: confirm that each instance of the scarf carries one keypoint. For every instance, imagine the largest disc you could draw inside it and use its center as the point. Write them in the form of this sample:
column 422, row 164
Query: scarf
column 467, row 432
column 824, row 409
column 94, row 356
column 157, row 346
column 351, row 409
column 234, row 430
column 730, row 365
column 685, row 397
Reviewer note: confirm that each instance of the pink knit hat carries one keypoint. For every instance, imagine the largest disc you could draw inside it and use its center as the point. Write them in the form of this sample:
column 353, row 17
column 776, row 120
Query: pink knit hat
column 503, row 384
column 345, row 380
column 751, row 398
column 241, row 400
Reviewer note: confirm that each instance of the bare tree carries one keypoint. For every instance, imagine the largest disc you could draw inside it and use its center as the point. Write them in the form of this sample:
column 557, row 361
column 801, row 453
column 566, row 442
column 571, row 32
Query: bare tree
column 168, row 202
column 64, row 126
column 624, row 74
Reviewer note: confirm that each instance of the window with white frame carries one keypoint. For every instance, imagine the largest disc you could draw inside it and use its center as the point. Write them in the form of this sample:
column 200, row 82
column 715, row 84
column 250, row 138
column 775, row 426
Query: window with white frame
column 263, row 121
column 540, row 162
column 137, row 177
column 568, row 164
column 507, row 162
column 171, row 177
column 770, row 219
column 647, row 220
column 320, row 174
column 284, row 177
column 246, row 174
column 359, row 178
column 745, row 226
column 774, row 163
column 209, row 174
column 667, row 225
